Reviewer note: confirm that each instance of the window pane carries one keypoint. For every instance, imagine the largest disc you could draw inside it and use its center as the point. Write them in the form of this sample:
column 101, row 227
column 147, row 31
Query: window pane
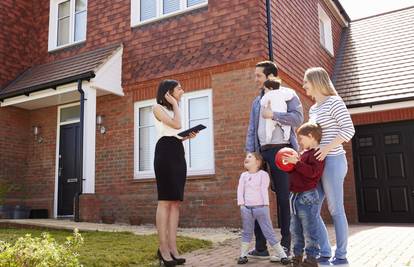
column 148, row 9
column 147, row 137
column 198, row 108
column 146, row 117
column 171, row 6
column 195, row 2
column 80, row 5
column 64, row 9
column 80, row 26
column 63, row 31
column 70, row 113
column 200, row 154
column 321, row 32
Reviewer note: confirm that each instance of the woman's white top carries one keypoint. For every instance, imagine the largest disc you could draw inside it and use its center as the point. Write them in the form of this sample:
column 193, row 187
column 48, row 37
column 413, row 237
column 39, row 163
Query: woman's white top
column 163, row 129
column 334, row 119
column 277, row 98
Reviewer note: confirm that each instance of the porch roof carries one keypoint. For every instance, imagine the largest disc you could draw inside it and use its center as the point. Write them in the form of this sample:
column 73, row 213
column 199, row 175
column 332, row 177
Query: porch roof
column 51, row 75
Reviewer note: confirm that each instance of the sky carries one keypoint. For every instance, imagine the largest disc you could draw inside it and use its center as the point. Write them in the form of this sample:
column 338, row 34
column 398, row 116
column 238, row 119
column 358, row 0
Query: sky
column 364, row 8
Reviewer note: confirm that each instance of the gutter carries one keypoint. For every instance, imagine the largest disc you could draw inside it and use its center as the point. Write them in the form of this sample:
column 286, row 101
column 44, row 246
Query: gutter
column 81, row 179
column 269, row 29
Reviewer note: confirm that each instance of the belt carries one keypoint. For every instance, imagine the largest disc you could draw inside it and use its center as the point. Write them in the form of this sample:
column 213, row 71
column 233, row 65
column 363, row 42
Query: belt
column 270, row 146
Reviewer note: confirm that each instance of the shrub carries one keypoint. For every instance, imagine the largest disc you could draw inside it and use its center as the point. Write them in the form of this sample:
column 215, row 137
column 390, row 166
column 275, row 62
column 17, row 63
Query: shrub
column 41, row 251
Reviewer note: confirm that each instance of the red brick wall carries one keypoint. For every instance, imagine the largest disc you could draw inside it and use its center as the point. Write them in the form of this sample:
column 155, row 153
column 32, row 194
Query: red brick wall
column 41, row 160
column 14, row 131
column 296, row 37
column 222, row 32
column 15, row 42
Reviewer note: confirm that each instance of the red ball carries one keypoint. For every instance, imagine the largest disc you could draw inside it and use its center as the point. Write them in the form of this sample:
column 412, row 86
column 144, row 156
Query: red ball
column 284, row 166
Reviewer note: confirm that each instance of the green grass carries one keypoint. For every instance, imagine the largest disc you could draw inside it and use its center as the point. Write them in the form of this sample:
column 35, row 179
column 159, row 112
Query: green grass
column 111, row 249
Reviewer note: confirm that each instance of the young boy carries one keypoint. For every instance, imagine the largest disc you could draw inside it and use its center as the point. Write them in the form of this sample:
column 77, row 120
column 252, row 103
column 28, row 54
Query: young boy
column 304, row 198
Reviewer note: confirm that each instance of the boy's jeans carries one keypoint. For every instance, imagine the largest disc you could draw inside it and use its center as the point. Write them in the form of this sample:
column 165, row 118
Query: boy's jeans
column 304, row 224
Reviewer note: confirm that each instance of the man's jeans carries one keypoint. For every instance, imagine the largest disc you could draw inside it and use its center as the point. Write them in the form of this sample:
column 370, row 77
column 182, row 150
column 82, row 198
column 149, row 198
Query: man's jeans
column 280, row 181
column 332, row 186
column 304, row 224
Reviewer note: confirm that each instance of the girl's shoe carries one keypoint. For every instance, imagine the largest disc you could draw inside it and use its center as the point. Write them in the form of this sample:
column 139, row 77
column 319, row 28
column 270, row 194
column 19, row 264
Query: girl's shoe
column 280, row 255
column 166, row 263
column 180, row 261
column 242, row 260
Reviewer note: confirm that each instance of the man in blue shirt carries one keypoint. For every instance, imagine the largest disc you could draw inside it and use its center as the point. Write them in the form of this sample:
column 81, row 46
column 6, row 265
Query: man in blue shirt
column 256, row 141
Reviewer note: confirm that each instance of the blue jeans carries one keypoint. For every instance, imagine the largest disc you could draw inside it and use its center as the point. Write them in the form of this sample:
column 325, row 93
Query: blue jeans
column 280, row 181
column 332, row 186
column 261, row 215
column 304, row 225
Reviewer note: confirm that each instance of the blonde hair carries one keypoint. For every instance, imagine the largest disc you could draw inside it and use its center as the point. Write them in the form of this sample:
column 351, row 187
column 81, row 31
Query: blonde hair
column 320, row 81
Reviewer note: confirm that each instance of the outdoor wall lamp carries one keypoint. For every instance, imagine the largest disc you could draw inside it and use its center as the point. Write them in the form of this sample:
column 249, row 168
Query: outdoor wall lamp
column 99, row 122
column 36, row 133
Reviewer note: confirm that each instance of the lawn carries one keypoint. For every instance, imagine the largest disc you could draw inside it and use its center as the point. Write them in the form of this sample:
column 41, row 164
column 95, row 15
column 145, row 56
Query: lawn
column 111, row 249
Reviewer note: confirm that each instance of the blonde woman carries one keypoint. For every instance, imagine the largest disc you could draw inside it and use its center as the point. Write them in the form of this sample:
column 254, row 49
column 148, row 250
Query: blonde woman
column 331, row 114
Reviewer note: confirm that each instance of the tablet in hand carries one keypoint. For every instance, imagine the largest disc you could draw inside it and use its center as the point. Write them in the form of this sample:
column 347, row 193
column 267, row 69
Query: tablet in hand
column 194, row 129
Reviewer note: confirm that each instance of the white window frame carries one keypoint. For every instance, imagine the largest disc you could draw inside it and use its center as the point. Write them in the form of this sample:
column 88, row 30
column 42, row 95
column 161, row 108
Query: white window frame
column 325, row 35
column 53, row 24
column 209, row 169
column 136, row 11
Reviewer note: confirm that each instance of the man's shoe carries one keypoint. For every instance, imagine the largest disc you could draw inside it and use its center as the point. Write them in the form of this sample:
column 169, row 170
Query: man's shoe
column 337, row 261
column 323, row 260
column 254, row 254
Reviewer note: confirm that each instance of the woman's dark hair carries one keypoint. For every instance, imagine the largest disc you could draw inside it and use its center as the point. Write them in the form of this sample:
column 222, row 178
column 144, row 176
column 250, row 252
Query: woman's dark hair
column 164, row 87
column 269, row 67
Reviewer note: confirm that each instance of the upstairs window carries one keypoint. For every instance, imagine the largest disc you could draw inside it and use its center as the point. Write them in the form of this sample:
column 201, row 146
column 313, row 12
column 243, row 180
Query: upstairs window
column 67, row 22
column 143, row 11
column 325, row 30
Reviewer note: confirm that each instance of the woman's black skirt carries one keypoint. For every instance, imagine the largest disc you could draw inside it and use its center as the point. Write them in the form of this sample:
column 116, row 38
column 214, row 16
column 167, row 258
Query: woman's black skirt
column 170, row 168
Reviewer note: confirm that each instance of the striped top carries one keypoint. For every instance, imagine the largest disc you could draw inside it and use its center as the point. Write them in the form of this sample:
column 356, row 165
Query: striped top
column 333, row 116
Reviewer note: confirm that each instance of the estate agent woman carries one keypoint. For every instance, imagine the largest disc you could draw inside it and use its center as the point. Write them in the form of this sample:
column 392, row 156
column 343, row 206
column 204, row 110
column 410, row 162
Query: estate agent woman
column 170, row 169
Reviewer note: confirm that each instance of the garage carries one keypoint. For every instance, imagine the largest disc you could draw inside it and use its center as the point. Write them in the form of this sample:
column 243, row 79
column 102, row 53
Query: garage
column 384, row 171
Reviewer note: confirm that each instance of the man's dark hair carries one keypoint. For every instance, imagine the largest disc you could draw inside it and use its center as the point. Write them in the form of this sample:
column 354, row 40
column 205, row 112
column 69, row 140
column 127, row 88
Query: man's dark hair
column 269, row 67
column 164, row 87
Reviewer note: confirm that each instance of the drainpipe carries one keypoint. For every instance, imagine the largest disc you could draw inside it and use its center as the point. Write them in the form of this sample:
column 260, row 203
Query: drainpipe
column 80, row 180
column 269, row 29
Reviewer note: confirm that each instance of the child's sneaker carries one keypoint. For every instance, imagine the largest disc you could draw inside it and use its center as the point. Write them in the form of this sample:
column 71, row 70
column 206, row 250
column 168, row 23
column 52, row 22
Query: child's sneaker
column 280, row 255
column 297, row 260
column 337, row 261
column 242, row 260
column 323, row 260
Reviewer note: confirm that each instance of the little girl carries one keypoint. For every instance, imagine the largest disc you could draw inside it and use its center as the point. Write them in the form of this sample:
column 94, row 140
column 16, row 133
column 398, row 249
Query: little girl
column 253, row 199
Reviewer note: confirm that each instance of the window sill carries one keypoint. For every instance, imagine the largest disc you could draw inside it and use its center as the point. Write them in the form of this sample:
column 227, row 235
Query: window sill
column 191, row 175
column 67, row 46
column 135, row 24
column 326, row 50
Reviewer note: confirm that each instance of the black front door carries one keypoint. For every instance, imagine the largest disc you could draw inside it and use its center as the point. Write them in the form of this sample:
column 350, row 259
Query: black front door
column 69, row 168
column 384, row 171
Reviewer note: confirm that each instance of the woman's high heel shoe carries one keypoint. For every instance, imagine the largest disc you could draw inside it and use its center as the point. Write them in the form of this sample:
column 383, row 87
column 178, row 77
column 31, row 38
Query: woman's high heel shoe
column 180, row 261
column 166, row 263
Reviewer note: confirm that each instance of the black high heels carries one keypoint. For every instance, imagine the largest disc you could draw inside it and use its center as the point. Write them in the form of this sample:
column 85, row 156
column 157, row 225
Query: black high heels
column 166, row 263
column 180, row 261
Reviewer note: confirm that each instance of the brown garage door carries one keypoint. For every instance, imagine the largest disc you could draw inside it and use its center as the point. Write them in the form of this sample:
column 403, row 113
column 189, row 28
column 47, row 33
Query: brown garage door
column 384, row 171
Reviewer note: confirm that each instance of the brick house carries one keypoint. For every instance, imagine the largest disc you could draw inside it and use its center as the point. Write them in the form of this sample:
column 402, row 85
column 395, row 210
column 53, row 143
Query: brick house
column 113, row 54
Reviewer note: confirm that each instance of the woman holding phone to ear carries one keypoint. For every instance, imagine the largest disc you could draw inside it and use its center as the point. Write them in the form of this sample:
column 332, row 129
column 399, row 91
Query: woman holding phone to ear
column 170, row 169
